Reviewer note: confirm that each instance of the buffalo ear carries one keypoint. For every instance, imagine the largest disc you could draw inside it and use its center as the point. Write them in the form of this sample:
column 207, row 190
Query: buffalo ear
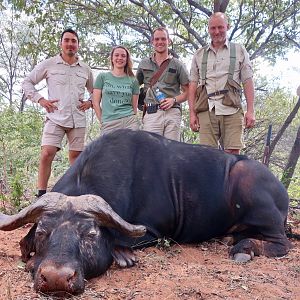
column 109, row 218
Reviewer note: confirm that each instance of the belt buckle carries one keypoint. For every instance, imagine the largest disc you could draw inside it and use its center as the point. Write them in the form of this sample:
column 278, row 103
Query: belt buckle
column 217, row 93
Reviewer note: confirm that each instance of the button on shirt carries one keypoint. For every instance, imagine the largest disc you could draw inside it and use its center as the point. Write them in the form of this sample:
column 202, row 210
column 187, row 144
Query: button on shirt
column 67, row 84
column 218, row 71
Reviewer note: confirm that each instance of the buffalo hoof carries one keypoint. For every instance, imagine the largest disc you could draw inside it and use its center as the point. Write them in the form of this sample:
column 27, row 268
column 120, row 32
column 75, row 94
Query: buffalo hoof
column 243, row 257
column 123, row 257
column 29, row 267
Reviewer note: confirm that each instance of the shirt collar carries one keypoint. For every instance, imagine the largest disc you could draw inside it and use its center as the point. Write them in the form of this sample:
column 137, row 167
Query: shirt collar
column 226, row 45
column 152, row 57
column 59, row 60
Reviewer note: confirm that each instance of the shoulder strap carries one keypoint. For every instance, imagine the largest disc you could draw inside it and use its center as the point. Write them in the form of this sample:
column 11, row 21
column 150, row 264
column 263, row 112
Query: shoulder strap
column 204, row 64
column 159, row 72
column 232, row 60
column 232, row 54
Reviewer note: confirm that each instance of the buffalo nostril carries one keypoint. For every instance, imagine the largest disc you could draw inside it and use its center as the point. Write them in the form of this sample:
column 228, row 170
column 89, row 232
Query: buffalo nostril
column 43, row 278
column 71, row 276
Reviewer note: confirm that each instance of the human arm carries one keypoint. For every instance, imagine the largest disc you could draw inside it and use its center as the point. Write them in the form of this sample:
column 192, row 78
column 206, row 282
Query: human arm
column 87, row 104
column 135, row 103
column 249, row 118
column 97, row 95
column 38, row 74
column 194, row 122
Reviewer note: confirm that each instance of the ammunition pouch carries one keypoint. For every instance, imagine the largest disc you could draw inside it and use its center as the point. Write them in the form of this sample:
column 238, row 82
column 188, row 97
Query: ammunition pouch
column 152, row 108
column 233, row 96
column 201, row 103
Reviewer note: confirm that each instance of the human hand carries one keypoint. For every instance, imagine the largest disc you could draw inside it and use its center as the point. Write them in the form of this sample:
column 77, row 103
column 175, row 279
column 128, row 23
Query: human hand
column 194, row 122
column 166, row 103
column 49, row 105
column 84, row 105
column 249, row 119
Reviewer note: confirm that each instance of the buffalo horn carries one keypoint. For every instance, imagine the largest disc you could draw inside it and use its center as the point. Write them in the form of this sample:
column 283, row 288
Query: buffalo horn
column 108, row 217
column 31, row 213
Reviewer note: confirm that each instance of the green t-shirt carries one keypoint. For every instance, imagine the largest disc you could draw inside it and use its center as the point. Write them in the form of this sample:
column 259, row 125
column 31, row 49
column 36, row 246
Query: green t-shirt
column 116, row 95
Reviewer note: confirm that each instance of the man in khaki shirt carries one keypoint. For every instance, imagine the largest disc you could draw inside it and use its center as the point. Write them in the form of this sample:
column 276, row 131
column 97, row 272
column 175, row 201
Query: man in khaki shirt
column 67, row 78
column 222, row 123
column 172, row 86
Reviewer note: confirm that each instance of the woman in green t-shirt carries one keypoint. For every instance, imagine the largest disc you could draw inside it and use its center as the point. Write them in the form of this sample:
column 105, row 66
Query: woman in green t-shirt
column 117, row 91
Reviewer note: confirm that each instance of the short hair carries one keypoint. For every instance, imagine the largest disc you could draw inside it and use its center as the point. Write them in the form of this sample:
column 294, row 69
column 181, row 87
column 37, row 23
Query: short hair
column 160, row 29
column 219, row 15
column 129, row 65
column 70, row 30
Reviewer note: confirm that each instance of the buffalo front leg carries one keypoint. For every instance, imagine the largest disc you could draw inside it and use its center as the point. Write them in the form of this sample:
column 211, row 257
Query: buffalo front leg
column 27, row 244
column 246, row 249
column 123, row 256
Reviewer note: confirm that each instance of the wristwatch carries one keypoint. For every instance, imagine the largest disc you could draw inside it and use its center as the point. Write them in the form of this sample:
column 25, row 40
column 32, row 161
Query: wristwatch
column 175, row 101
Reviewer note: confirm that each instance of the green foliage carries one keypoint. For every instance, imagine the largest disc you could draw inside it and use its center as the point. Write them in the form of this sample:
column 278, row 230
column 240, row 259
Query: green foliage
column 163, row 243
column 19, row 155
column 266, row 31
column 294, row 189
column 20, row 137
column 17, row 190
column 187, row 135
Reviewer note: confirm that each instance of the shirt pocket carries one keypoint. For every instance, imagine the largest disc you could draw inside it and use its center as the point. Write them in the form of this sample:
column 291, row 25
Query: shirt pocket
column 81, row 78
column 58, row 77
column 171, row 76
column 148, row 73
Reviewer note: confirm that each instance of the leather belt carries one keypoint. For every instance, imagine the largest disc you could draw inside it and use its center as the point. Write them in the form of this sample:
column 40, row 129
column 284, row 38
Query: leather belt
column 177, row 105
column 217, row 93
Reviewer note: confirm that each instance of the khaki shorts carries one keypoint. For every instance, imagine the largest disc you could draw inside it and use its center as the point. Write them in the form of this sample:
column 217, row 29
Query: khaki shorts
column 224, row 130
column 130, row 122
column 164, row 122
column 53, row 135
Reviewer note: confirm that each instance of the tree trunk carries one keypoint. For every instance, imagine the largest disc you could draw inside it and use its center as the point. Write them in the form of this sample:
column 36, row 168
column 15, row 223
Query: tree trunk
column 292, row 162
column 220, row 5
column 22, row 104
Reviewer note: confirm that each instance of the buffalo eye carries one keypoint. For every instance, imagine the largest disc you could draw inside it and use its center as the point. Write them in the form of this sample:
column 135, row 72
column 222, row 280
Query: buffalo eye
column 40, row 233
column 92, row 233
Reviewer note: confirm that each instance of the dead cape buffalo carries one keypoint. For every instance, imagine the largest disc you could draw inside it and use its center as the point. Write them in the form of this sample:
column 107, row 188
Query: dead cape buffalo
column 153, row 188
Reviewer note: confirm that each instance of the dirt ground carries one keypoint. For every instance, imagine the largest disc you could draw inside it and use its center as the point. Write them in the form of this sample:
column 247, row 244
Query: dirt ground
column 201, row 271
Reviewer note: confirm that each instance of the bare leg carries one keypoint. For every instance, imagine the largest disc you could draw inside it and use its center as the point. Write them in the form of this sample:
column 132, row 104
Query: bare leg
column 232, row 151
column 46, row 158
column 73, row 155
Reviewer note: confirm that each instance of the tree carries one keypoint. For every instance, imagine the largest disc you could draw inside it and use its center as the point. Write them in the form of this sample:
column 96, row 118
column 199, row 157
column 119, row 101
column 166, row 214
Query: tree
column 265, row 30
column 292, row 162
column 16, row 55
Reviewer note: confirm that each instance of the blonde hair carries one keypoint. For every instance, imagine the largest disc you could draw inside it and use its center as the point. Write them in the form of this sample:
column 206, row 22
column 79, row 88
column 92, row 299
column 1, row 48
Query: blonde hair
column 128, row 67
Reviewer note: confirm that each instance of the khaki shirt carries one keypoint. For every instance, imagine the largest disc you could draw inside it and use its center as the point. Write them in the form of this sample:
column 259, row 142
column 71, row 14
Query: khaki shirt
column 169, row 82
column 218, row 70
column 66, row 83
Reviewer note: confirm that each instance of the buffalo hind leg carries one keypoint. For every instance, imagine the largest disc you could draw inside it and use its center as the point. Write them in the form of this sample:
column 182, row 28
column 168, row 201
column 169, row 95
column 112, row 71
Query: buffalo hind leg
column 123, row 256
column 246, row 249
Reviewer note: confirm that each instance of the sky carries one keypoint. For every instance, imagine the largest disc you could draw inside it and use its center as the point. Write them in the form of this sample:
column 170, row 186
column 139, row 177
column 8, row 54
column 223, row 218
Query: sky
column 286, row 72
